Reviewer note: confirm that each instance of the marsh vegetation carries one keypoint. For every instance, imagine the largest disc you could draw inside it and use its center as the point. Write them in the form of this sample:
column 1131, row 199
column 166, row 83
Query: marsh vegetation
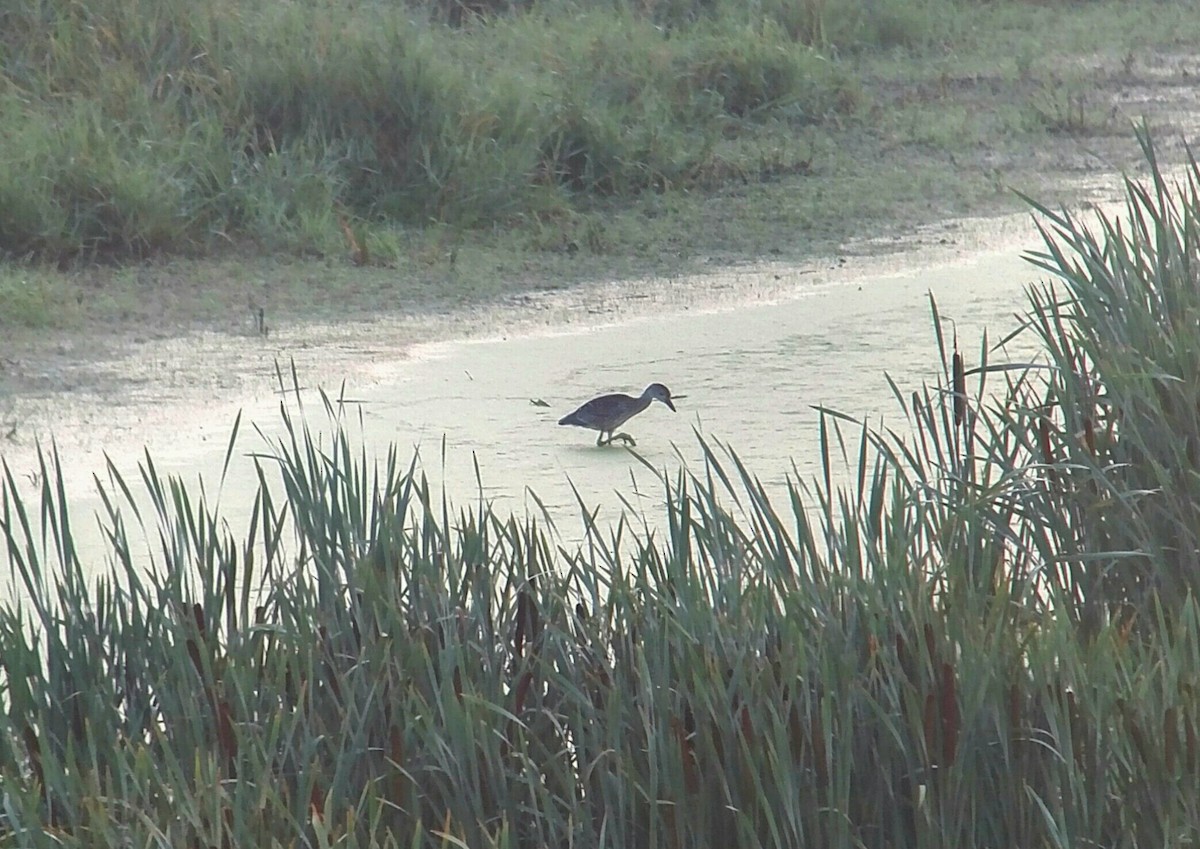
column 164, row 161
column 989, row 637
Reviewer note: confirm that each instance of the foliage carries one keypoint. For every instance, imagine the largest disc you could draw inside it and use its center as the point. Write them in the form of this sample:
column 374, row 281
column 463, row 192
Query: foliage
column 988, row 637
column 138, row 127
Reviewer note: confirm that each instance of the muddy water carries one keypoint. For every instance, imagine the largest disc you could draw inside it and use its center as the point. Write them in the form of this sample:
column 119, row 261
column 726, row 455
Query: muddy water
column 753, row 352
column 751, row 377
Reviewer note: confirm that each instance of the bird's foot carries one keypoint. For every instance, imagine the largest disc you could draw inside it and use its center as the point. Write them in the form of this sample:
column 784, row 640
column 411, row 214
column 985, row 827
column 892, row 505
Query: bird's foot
column 629, row 440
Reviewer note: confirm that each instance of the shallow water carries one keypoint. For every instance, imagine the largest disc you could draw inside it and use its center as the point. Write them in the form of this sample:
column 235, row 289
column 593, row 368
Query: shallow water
column 751, row 377
column 752, row 360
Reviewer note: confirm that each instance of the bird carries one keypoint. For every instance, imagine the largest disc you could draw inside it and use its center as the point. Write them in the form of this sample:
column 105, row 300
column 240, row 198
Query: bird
column 609, row 412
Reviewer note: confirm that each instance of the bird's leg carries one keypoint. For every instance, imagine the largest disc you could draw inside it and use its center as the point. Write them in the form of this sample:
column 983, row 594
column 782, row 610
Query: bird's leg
column 600, row 443
column 629, row 440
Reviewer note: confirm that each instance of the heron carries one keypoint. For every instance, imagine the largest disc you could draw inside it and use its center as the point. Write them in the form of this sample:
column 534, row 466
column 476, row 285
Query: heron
column 609, row 412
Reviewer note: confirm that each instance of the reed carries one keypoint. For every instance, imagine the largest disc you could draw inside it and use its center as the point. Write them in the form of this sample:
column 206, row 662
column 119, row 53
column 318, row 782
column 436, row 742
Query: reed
column 986, row 637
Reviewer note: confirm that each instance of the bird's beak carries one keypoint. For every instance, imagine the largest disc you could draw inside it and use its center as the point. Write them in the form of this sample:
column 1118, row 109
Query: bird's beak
column 669, row 404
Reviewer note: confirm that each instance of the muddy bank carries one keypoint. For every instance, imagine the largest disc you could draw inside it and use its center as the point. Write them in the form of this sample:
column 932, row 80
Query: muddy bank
column 754, row 349
column 150, row 387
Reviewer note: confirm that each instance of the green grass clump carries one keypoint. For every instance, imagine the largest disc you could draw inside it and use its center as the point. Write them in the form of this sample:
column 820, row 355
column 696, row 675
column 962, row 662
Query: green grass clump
column 34, row 299
column 988, row 637
column 74, row 179
column 136, row 128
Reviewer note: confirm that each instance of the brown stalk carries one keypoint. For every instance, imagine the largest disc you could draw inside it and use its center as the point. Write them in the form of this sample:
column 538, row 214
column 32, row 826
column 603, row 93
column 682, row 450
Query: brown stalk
column 316, row 802
column 1170, row 743
column 396, row 746
column 1047, row 452
column 960, row 389
column 1014, row 710
column 193, row 651
column 225, row 736
column 818, row 738
column 949, row 715
column 522, row 691
column 687, row 754
column 1076, row 727
column 1135, row 732
column 1189, row 745
column 795, row 733
column 929, row 719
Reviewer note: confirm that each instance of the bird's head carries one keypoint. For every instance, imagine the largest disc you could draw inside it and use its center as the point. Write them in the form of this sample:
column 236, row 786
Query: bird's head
column 658, row 392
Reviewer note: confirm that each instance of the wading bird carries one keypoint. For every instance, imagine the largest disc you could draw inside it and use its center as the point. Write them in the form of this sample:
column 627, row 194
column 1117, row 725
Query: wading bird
column 609, row 412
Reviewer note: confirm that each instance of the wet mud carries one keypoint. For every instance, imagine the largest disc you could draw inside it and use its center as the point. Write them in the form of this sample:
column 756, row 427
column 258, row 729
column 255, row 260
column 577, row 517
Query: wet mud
column 755, row 350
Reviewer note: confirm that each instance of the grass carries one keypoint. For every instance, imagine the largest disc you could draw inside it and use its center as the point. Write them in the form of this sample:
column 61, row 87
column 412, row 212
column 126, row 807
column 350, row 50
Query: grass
column 570, row 137
column 37, row 299
column 988, row 637
column 275, row 123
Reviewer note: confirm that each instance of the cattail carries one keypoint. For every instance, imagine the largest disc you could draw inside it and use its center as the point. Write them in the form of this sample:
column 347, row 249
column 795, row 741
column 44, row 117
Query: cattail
column 396, row 746
column 522, row 620
column 198, row 616
column 1170, row 727
column 1076, row 728
column 817, row 733
column 1044, row 441
column 1014, row 709
column 1189, row 745
column 1137, row 735
column 747, row 725
column 687, row 754
column 316, row 803
column 523, row 685
column 960, row 389
column 929, row 726
column 949, row 715
column 795, row 733
column 225, row 736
